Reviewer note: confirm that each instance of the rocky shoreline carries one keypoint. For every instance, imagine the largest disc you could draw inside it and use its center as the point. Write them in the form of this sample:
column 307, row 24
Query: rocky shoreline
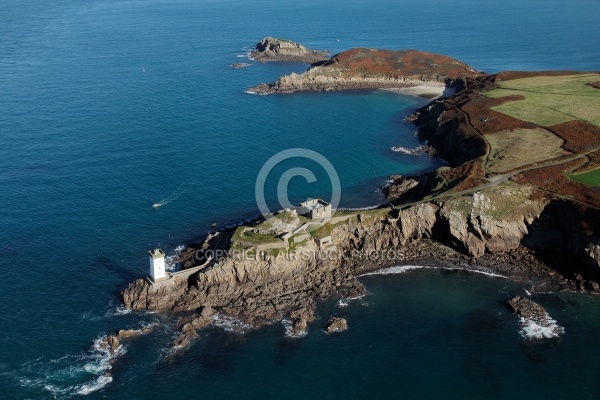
column 412, row 71
column 498, row 228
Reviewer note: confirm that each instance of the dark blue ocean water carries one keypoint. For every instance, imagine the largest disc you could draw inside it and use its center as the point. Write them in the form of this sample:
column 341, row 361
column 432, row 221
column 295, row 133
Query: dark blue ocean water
column 108, row 106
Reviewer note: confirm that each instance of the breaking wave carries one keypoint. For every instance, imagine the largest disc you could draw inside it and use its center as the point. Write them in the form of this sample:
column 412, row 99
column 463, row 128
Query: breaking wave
column 405, row 150
column 395, row 270
column 70, row 375
column 342, row 303
column 540, row 328
column 288, row 328
column 230, row 324
column 405, row 268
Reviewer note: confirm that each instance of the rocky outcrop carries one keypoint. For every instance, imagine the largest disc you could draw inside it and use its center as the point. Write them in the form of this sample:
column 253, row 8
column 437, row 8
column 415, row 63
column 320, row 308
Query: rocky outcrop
column 593, row 251
column 526, row 308
column 536, row 324
column 272, row 49
column 144, row 295
column 373, row 69
column 336, row 325
column 301, row 317
column 113, row 341
column 265, row 288
column 398, row 186
column 189, row 327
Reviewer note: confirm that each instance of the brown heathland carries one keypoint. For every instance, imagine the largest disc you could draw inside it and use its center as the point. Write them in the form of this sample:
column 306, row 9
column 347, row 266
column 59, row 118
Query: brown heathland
column 398, row 63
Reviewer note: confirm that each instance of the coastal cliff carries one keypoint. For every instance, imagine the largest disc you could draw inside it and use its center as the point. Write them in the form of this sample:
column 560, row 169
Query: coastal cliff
column 259, row 289
column 509, row 213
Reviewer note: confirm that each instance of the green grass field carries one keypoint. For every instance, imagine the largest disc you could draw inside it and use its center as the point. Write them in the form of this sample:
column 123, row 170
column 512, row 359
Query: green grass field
column 551, row 100
column 589, row 178
column 513, row 148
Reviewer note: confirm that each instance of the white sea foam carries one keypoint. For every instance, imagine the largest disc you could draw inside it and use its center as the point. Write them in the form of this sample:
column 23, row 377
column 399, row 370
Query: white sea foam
column 342, row 303
column 118, row 310
column 247, row 91
column 288, row 328
column 94, row 385
column 230, row 324
column 395, row 270
column 539, row 329
column 69, row 375
column 405, row 268
column 358, row 208
column 404, row 150
column 180, row 248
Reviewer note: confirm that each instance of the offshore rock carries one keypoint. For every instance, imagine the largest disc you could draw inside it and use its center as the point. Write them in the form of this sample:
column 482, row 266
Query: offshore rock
column 272, row 49
column 336, row 325
column 526, row 308
column 398, row 186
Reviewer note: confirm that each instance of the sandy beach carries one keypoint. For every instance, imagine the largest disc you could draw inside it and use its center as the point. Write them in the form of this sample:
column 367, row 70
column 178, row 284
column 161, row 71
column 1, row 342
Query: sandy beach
column 427, row 91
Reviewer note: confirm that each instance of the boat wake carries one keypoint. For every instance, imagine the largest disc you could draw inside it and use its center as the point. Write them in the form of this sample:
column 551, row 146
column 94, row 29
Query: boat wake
column 174, row 196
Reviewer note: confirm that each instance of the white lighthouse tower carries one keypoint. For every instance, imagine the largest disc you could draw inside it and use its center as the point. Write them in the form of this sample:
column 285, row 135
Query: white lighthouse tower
column 157, row 264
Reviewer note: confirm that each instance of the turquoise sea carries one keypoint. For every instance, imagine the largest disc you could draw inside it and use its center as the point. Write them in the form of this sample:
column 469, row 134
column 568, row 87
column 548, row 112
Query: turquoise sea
column 110, row 106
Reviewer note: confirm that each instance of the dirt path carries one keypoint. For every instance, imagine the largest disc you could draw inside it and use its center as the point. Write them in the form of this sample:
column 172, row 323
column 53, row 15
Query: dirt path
column 499, row 178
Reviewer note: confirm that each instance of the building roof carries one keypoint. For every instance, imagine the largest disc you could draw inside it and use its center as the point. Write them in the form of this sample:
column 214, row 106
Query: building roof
column 156, row 253
column 312, row 204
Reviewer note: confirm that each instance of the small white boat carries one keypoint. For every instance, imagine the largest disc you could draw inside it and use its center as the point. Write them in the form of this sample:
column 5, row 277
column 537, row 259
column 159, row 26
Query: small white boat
column 156, row 205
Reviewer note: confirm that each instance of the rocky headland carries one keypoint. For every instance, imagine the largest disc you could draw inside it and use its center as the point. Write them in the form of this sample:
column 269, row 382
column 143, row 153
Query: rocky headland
column 375, row 69
column 522, row 220
column 273, row 49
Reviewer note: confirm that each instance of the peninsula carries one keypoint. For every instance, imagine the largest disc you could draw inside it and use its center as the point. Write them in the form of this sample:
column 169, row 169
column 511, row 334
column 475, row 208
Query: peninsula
column 519, row 198
column 375, row 69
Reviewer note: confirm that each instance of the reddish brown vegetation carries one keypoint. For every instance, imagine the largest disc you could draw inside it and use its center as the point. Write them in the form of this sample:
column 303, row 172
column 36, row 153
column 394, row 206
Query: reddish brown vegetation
column 509, row 75
column 488, row 121
column 595, row 85
column 469, row 175
column 455, row 127
column 554, row 179
column 400, row 63
column 578, row 135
